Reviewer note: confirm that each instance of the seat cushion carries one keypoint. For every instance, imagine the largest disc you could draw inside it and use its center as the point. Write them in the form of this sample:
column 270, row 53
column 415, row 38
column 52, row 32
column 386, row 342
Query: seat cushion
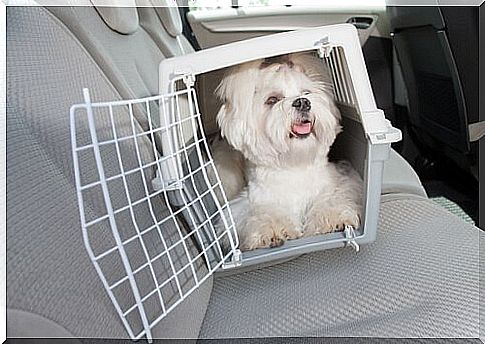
column 419, row 279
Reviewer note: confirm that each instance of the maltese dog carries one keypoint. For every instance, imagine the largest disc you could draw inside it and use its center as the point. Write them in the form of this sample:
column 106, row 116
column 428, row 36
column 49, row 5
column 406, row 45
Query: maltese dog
column 278, row 121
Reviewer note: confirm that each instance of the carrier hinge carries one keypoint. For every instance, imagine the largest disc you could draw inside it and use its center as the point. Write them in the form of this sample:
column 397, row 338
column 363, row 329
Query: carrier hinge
column 188, row 79
column 324, row 48
column 349, row 233
column 159, row 183
column 235, row 261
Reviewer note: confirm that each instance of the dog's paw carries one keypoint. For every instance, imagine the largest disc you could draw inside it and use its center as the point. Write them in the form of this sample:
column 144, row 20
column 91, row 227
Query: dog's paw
column 265, row 232
column 291, row 233
column 263, row 240
column 332, row 219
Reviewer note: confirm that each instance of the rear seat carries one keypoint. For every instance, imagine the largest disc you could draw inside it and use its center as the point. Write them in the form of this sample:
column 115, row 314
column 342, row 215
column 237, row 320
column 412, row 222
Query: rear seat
column 115, row 52
column 51, row 277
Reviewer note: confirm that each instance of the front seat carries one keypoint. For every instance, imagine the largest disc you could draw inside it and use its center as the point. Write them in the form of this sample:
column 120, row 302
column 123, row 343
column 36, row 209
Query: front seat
column 437, row 48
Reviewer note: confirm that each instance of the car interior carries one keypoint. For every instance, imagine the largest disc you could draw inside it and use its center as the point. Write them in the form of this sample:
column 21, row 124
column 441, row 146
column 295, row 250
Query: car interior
column 420, row 278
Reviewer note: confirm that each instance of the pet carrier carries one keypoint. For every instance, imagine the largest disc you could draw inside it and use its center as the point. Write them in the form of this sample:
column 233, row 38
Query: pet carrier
column 157, row 242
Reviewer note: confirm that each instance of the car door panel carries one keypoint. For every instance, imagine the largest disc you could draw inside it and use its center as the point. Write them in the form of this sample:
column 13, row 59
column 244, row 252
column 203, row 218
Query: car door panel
column 221, row 26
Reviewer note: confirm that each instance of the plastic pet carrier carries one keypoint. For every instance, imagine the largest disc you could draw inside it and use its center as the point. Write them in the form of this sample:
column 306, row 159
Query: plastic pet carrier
column 151, row 218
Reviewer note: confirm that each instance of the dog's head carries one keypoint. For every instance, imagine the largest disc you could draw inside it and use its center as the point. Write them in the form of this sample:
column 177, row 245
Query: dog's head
column 280, row 110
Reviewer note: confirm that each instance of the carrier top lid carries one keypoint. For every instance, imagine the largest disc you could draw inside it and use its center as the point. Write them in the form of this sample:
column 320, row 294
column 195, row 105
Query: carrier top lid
column 322, row 39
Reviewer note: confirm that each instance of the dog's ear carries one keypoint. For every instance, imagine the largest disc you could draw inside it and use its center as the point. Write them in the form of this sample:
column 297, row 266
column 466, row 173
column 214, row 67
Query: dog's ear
column 236, row 91
column 328, row 126
column 231, row 126
column 238, row 82
column 226, row 88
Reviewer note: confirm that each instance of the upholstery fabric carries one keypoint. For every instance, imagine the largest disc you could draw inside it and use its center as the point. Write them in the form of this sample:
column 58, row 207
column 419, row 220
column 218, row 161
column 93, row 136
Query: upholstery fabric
column 48, row 270
column 169, row 44
column 169, row 16
column 26, row 324
column 123, row 20
column 133, row 74
column 419, row 279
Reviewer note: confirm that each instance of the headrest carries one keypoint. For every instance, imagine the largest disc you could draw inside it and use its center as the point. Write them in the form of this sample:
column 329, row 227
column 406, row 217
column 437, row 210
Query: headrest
column 123, row 20
column 169, row 15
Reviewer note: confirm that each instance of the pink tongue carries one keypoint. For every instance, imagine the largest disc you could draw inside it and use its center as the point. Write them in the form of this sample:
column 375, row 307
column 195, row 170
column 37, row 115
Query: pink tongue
column 301, row 128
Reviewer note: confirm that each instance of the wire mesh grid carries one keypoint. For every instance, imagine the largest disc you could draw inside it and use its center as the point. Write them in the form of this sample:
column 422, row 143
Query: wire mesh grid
column 151, row 246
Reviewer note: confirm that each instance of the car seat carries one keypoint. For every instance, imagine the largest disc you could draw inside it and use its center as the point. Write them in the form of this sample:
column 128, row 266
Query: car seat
column 420, row 278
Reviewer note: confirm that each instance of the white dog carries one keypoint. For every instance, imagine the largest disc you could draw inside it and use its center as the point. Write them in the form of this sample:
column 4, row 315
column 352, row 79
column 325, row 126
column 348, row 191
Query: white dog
column 280, row 115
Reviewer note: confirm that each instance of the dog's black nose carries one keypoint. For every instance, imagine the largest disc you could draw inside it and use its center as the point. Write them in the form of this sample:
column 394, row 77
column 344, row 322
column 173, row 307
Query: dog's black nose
column 302, row 104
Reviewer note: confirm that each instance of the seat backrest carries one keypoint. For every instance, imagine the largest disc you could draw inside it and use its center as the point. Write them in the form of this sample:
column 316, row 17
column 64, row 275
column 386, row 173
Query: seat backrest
column 124, row 52
column 127, row 53
column 169, row 37
column 437, row 101
column 52, row 54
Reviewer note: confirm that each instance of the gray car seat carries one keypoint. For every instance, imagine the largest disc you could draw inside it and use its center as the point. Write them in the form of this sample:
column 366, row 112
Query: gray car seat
column 53, row 53
column 50, row 268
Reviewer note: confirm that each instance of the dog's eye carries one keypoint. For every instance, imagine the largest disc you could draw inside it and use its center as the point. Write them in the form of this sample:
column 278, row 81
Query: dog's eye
column 271, row 100
column 306, row 92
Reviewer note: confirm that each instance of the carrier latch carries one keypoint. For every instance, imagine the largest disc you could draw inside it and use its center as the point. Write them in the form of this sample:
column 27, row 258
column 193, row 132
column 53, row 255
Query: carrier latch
column 235, row 261
column 349, row 233
column 379, row 129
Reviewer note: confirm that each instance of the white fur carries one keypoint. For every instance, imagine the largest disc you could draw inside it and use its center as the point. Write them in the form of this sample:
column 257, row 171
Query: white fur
column 292, row 189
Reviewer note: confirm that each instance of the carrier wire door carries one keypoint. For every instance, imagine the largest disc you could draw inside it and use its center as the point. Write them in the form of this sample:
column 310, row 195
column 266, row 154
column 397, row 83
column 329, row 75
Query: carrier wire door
column 151, row 246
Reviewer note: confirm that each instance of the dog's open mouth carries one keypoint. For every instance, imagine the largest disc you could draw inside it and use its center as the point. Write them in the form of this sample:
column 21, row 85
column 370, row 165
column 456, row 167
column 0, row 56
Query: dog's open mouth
column 301, row 129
